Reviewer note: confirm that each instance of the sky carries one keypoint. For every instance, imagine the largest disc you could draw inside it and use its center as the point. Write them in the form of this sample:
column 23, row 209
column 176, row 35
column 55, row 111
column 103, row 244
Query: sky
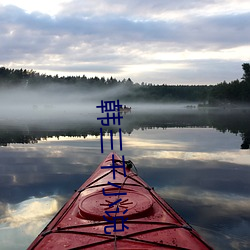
column 152, row 41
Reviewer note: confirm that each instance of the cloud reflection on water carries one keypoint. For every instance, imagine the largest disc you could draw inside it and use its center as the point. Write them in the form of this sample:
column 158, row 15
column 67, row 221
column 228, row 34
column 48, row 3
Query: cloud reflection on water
column 22, row 222
column 29, row 210
column 235, row 156
column 208, row 184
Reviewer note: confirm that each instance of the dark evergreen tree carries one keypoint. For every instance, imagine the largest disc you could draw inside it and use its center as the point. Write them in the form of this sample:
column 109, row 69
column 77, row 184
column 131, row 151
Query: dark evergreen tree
column 246, row 69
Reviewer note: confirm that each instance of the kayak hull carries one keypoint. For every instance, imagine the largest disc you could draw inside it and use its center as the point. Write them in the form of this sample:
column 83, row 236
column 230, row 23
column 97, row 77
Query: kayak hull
column 117, row 213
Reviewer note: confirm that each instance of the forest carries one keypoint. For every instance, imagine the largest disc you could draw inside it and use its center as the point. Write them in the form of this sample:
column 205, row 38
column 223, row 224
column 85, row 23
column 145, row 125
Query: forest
column 224, row 93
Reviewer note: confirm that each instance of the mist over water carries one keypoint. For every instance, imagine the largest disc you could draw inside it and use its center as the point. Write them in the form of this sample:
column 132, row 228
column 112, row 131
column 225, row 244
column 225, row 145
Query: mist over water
column 59, row 107
column 44, row 103
column 61, row 102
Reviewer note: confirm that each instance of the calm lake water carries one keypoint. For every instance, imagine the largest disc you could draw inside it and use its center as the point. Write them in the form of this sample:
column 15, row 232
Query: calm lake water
column 197, row 160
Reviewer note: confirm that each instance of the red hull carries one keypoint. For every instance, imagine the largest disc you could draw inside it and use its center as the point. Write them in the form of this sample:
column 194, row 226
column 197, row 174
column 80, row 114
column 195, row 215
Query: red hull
column 151, row 222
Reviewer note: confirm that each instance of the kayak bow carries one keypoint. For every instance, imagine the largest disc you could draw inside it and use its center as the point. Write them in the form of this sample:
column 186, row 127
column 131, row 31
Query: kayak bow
column 121, row 213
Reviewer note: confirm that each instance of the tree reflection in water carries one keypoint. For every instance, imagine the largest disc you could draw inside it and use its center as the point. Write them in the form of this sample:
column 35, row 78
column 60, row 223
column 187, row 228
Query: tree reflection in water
column 233, row 121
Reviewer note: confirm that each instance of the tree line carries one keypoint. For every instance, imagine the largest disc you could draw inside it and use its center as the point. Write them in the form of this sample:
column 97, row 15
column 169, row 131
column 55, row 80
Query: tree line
column 236, row 91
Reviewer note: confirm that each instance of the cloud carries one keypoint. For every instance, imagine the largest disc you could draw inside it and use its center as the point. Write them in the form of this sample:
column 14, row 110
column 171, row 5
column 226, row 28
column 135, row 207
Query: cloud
column 29, row 210
column 233, row 204
column 144, row 10
column 90, row 37
column 26, row 220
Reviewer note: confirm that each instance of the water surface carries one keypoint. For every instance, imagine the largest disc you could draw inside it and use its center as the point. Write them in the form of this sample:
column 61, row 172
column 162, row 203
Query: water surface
column 193, row 158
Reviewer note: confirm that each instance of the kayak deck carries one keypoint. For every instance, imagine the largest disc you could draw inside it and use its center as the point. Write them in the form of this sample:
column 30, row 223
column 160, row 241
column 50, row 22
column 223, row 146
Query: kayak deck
column 140, row 218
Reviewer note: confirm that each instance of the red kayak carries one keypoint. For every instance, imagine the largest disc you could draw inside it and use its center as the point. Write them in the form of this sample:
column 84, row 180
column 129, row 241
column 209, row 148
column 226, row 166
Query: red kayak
column 116, row 209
